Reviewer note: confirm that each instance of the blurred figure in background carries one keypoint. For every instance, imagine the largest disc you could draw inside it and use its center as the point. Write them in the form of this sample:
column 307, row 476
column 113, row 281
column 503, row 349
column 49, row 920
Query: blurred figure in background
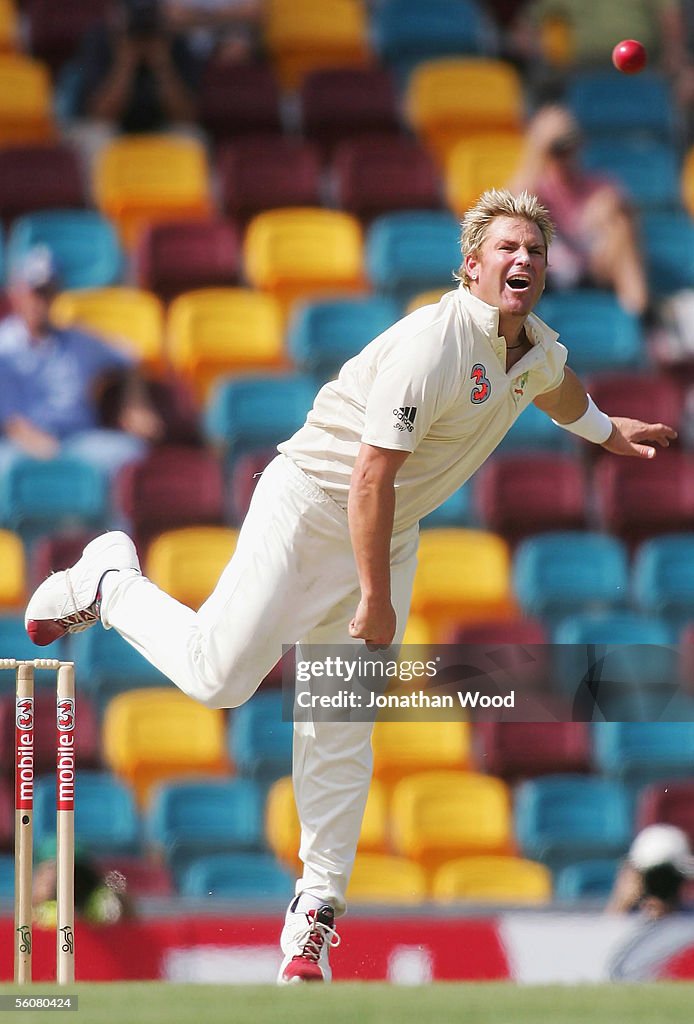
column 229, row 30
column 99, row 899
column 596, row 241
column 650, row 885
column 51, row 379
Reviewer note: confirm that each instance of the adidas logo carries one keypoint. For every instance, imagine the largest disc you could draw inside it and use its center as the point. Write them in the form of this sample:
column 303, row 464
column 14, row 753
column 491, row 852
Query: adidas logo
column 405, row 417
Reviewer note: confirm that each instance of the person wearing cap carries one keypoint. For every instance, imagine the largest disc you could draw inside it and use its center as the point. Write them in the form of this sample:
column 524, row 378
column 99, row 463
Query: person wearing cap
column 51, row 376
column 596, row 242
column 650, row 885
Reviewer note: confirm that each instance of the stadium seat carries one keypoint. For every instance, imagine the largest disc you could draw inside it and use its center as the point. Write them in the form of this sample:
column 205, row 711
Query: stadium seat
column 106, row 816
column 201, row 816
column 412, row 250
column 13, row 576
column 26, row 97
column 84, row 243
column 178, row 256
column 383, row 878
column 520, row 495
column 445, row 591
column 238, row 99
column 520, row 750
column 131, row 318
column 663, row 577
column 154, row 735
column 600, row 334
column 607, row 103
column 635, row 504
column 555, row 574
column 236, row 415
column 108, row 665
column 141, row 877
column 260, row 739
column 6, row 877
column 243, row 478
column 560, row 818
column 642, row 752
column 6, row 814
column 654, row 398
column 457, row 98
column 430, row 297
column 520, row 647
column 55, row 551
column 304, row 252
column 647, row 170
column 218, row 331
column 534, row 431
column 494, row 879
column 670, row 805
column 403, row 747
column 39, row 177
column 379, row 174
column 477, row 163
column 15, row 643
column 588, row 880
column 437, row 816
column 407, row 32
column 155, row 493
column 336, row 104
column 56, row 40
column 267, row 172
column 456, row 511
column 302, row 36
column 188, row 562
column 323, row 335
column 687, row 181
column 87, row 737
column 38, row 495
column 147, row 178
column 237, row 876
column 9, row 27
column 668, row 243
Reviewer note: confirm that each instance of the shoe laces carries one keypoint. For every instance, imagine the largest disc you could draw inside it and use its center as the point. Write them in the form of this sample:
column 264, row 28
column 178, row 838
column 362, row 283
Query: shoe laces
column 78, row 621
column 317, row 933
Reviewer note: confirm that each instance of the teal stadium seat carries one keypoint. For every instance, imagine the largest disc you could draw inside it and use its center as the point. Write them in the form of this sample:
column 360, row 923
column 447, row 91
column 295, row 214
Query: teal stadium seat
column 237, row 876
column 84, row 242
column 648, row 171
column 325, row 334
column 668, row 242
column 607, row 103
column 41, row 495
column 598, row 333
column 411, row 251
column 663, row 577
column 639, row 753
column 458, row 510
column 534, row 431
column 6, row 877
column 106, row 818
column 587, row 880
column 108, row 665
column 259, row 740
column 15, row 643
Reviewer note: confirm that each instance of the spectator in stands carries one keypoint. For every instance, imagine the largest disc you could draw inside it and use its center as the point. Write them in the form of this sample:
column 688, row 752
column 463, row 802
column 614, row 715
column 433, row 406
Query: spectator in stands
column 50, row 381
column 228, row 29
column 135, row 73
column 596, row 240
column 99, row 898
column 651, row 885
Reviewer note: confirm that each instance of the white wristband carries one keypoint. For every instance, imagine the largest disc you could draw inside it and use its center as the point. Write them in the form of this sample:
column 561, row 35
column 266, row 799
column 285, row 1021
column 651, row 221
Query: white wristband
column 593, row 425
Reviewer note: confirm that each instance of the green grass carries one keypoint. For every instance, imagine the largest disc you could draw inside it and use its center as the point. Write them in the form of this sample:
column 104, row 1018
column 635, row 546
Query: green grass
column 160, row 1003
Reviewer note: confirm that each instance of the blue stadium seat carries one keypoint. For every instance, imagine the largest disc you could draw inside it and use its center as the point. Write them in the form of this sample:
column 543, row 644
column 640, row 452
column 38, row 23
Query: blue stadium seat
column 607, row 103
column 586, row 880
column 599, row 334
column 6, row 877
column 189, row 818
column 556, row 574
column 407, row 32
column 458, row 510
column 412, row 251
column 15, row 643
column 562, row 818
column 663, row 576
column 106, row 817
column 534, row 431
column 239, row 876
column 643, row 752
column 668, row 243
column 108, row 665
column 40, row 495
column 647, row 170
column 84, row 242
column 247, row 413
column 325, row 334
column 259, row 741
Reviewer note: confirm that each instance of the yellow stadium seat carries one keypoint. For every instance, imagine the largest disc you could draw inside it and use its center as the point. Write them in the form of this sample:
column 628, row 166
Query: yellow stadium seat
column 188, row 562
column 493, row 880
column 437, row 816
column 144, row 179
column 383, row 878
column 153, row 735
column 403, row 747
column 224, row 330
column 128, row 316
column 9, row 26
column 428, row 298
column 282, row 823
column 26, row 99
column 454, row 98
column 479, row 163
column 304, row 35
column 687, row 180
column 418, row 632
column 462, row 576
column 13, row 572
column 304, row 252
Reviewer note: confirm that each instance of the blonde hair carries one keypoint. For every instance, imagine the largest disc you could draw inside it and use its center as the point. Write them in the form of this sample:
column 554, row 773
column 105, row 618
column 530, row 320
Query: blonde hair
column 494, row 203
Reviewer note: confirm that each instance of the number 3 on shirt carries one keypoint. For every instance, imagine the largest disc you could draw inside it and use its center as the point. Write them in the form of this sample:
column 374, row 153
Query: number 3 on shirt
column 483, row 387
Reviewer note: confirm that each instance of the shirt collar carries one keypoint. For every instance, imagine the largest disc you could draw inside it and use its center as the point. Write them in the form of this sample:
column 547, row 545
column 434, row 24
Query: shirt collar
column 486, row 317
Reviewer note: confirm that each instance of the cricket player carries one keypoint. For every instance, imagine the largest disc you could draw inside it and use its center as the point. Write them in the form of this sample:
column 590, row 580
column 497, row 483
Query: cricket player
column 327, row 552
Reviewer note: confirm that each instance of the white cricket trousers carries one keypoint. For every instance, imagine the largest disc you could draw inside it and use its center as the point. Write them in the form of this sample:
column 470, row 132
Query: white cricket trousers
column 292, row 579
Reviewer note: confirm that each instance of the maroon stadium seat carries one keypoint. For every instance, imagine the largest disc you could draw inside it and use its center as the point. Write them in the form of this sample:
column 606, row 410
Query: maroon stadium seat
column 266, row 172
column 142, row 876
column 637, row 499
column 6, row 813
column 517, row 495
column 55, row 33
column 172, row 257
column 383, row 173
column 39, row 177
column 238, row 99
column 517, row 750
column 56, row 551
column 512, row 636
column 341, row 103
column 88, row 739
column 669, row 804
column 651, row 397
column 244, row 477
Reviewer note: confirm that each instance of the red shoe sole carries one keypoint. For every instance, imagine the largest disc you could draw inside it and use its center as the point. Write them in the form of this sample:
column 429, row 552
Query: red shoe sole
column 43, row 632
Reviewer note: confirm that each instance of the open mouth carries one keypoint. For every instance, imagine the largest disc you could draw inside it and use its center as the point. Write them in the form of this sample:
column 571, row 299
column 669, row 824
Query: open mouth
column 518, row 283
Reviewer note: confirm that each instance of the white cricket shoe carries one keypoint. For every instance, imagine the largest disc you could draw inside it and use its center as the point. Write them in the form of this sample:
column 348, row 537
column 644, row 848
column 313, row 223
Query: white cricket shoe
column 306, row 941
column 68, row 601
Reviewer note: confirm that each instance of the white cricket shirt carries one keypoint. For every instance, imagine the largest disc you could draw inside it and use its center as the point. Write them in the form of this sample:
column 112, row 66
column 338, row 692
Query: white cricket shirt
column 434, row 384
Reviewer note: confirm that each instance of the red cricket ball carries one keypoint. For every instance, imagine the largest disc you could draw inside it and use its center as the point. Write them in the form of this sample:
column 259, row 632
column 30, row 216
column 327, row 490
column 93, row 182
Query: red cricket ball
column 629, row 56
